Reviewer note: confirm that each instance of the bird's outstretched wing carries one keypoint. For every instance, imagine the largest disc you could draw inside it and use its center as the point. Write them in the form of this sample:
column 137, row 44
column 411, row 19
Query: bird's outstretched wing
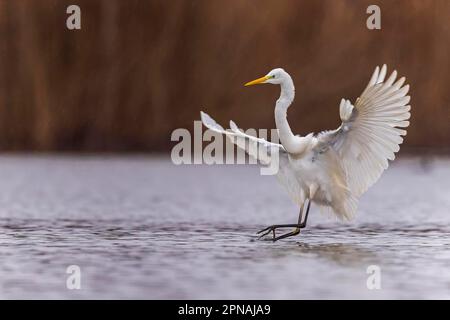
column 263, row 151
column 257, row 148
column 370, row 133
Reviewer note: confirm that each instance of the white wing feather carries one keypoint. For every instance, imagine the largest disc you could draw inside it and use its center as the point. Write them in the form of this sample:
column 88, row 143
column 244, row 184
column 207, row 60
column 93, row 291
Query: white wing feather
column 262, row 150
column 258, row 148
column 371, row 132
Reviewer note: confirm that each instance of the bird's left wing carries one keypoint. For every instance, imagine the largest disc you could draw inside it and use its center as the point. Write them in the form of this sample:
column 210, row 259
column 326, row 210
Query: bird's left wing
column 258, row 148
column 371, row 130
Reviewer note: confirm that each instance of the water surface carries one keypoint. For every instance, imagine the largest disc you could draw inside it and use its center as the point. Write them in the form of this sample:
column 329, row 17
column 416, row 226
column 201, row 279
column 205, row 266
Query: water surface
column 140, row 227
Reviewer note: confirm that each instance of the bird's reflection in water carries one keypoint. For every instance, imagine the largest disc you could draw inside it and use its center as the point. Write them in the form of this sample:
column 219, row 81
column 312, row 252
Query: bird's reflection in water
column 343, row 254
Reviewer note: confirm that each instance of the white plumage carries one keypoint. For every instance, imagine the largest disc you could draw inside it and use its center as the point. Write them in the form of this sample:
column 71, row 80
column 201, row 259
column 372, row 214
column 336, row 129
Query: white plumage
column 334, row 168
column 375, row 133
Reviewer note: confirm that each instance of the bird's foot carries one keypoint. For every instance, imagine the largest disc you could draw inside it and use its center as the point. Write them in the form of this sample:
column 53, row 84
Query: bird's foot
column 263, row 232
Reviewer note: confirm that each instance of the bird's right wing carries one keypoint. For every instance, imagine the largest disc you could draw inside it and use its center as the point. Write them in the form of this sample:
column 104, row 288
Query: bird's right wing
column 257, row 148
column 264, row 151
column 371, row 131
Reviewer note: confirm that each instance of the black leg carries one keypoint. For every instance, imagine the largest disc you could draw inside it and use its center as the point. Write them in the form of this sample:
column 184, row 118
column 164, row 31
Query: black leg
column 306, row 215
column 297, row 226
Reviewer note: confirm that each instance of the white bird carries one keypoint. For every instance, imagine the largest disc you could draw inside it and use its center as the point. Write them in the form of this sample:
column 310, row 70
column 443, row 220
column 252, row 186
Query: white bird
column 333, row 168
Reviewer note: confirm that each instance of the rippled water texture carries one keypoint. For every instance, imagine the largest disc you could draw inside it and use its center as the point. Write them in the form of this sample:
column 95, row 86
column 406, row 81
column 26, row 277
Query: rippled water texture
column 144, row 228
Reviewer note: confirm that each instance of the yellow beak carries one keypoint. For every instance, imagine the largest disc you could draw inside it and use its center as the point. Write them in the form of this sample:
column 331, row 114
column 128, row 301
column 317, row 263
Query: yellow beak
column 257, row 81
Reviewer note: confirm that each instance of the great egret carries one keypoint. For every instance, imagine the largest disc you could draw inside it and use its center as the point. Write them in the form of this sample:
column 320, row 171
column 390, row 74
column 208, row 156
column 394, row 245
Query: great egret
column 333, row 168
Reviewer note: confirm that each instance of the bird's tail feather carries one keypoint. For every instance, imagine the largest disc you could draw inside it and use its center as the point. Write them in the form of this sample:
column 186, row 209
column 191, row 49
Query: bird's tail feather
column 346, row 207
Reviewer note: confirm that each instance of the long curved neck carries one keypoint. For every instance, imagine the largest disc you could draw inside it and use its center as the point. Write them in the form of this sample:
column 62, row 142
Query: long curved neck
column 287, row 138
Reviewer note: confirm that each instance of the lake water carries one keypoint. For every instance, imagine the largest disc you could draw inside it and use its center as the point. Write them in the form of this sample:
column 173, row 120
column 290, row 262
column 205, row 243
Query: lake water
column 140, row 227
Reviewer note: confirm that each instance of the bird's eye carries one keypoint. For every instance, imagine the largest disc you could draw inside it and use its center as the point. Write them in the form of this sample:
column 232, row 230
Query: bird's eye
column 273, row 76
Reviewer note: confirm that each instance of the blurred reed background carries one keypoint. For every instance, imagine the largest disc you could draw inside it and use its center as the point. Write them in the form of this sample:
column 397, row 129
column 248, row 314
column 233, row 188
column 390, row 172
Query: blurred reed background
column 139, row 69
